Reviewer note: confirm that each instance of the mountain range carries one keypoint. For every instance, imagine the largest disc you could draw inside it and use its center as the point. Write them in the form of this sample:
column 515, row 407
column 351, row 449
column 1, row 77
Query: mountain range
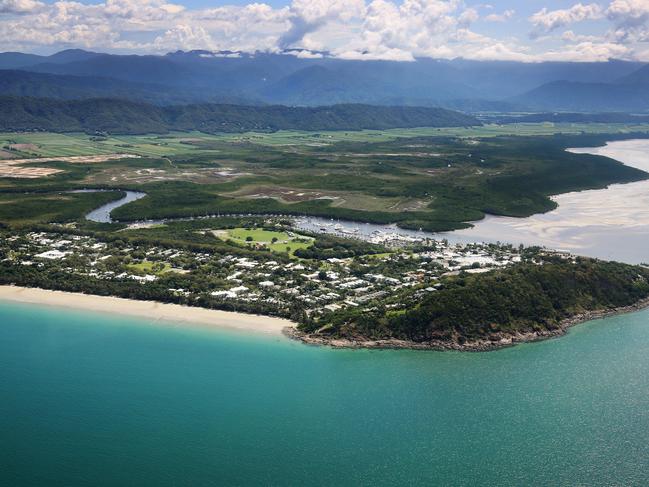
column 319, row 79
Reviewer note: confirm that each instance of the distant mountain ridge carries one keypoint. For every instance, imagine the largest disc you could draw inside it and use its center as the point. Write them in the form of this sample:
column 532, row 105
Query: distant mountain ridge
column 586, row 97
column 72, row 87
column 128, row 117
column 639, row 77
column 629, row 93
column 17, row 60
column 283, row 78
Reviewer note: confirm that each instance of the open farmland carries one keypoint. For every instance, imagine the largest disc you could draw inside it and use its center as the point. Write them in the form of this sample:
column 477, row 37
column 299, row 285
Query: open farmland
column 52, row 145
column 192, row 143
column 323, row 138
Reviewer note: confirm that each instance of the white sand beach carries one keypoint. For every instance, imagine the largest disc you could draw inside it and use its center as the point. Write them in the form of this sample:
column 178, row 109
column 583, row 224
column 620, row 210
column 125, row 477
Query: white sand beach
column 149, row 310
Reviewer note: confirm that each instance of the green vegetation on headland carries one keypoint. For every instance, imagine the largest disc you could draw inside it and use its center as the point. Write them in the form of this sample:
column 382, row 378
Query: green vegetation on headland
column 128, row 117
column 187, row 145
column 528, row 301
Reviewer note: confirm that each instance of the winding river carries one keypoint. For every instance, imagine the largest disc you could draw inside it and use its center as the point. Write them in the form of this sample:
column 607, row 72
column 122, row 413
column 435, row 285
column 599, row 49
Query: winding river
column 102, row 214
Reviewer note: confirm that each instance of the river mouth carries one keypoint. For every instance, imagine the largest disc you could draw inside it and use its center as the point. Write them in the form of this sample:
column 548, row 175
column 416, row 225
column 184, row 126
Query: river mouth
column 611, row 223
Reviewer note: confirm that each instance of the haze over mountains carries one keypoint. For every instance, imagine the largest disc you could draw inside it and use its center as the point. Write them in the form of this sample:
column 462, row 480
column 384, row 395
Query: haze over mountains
column 263, row 78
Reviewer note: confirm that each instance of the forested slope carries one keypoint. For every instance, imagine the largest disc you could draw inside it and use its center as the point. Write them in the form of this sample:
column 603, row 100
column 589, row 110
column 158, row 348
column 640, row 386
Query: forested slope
column 119, row 116
column 527, row 299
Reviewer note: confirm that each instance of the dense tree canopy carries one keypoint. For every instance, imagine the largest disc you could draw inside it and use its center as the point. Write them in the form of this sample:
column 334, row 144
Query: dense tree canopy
column 119, row 116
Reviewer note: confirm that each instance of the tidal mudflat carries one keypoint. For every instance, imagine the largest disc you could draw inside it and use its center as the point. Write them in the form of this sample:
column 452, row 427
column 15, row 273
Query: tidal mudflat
column 610, row 223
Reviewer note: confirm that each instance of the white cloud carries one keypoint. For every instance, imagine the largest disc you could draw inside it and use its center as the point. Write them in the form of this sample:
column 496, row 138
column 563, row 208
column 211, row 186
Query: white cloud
column 19, row 6
column 414, row 28
column 503, row 17
column 632, row 20
column 570, row 36
column 352, row 29
column 305, row 54
column 588, row 52
column 547, row 21
column 643, row 55
column 185, row 37
column 310, row 15
column 385, row 54
column 629, row 12
column 468, row 17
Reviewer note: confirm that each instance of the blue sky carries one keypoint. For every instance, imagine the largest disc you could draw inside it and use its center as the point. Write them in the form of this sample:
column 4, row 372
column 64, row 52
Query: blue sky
column 524, row 30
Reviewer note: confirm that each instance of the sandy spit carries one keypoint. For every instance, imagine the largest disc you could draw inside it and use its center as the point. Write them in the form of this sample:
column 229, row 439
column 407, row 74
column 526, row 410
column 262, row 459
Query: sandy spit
column 150, row 310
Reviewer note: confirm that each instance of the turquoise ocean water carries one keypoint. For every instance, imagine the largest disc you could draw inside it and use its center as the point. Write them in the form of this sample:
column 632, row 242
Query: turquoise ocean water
column 89, row 399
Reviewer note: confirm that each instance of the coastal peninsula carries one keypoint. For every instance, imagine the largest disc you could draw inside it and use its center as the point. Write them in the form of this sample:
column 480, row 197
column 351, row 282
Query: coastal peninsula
column 324, row 290
column 135, row 228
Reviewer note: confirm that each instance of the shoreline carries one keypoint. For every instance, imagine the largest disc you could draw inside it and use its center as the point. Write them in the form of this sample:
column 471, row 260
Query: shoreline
column 486, row 345
column 154, row 312
column 151, row 311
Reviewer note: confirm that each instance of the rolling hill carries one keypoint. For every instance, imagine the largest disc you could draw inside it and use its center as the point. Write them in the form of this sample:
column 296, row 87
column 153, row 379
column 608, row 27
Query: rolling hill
column 129, row 117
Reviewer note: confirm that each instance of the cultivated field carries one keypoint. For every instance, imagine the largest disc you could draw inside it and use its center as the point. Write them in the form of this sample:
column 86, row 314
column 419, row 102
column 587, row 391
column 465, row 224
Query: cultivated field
column 186, row 143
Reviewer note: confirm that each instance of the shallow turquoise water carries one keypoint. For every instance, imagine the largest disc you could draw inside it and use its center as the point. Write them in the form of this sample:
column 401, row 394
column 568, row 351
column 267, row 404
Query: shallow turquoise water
column 96, row 400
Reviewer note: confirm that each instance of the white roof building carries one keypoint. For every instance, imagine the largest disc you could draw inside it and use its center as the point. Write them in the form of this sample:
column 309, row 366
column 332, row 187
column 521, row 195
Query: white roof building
column 52, row 255
column 239, row 289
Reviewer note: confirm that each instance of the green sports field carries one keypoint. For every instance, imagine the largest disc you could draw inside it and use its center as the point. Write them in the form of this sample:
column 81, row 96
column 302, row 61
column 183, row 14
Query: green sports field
column 275, row 241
